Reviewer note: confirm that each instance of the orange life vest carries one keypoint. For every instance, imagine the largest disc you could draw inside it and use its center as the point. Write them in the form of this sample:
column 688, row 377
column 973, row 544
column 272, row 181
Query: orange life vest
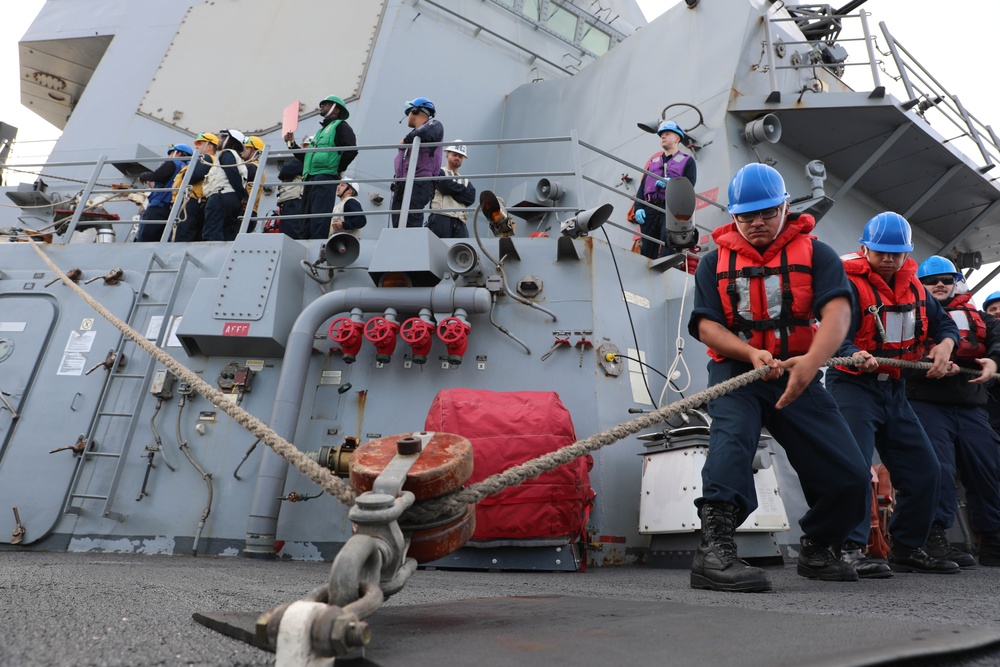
column 893, row 319
column 767, row 298
column 971, row 328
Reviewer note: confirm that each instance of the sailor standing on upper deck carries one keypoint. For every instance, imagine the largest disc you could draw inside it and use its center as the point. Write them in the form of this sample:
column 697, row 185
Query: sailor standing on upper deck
column 671, row 163
column 755, row 302
column 323, row 169
column 451, row 191
column 420, row 119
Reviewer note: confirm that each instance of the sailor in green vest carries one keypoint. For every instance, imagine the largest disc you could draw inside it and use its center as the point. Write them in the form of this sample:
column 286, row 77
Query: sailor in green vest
column 322, row 169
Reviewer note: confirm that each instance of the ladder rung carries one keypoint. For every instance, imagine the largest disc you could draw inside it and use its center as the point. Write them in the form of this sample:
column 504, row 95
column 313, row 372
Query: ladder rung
column 150, row 303
column 105, row 454
column 128, row 376
column 86, row 496
column 115, row 414
column 163, row 271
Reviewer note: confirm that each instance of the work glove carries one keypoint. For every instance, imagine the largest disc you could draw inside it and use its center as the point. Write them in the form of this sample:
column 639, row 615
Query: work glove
column 661, row 184
column 640, row 216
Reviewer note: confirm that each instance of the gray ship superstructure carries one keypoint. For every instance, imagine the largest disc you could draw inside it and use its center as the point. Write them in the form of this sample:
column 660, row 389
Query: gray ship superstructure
column 552, row 99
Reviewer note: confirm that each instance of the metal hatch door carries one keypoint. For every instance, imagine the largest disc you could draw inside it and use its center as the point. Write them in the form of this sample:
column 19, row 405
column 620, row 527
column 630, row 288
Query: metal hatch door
column 60, row 408
column 26, row 325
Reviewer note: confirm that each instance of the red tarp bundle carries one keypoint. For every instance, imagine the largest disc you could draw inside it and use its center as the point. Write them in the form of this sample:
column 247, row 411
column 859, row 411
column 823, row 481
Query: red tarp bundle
column 507, row 429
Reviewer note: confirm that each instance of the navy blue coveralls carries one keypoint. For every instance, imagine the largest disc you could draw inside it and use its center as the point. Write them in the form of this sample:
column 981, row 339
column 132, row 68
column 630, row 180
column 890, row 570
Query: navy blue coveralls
column 881, row 418
column 817, row 440
column 953, row 413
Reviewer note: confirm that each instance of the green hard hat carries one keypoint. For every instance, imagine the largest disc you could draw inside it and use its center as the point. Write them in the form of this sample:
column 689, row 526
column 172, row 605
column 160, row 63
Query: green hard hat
column 344, row 113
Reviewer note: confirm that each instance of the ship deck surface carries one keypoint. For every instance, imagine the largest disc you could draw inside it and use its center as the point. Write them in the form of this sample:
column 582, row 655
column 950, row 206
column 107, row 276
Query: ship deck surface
column 113, row 609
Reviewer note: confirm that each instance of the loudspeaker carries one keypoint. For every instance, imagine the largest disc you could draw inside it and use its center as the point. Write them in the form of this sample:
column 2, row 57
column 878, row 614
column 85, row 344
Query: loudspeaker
column 969, row 260
column 680, row 205
column 462, row 259
column 587, row 221
column 341, row 250
column 766, row 128
column 547, row 190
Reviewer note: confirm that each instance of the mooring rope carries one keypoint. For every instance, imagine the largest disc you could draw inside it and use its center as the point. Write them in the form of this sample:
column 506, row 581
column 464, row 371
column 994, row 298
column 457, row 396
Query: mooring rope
column 311, row 469
column 454, row 503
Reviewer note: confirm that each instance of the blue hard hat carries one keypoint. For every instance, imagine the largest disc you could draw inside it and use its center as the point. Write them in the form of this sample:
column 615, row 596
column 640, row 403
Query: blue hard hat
column 183, row 148
column 990, row 299
column 888, row 232
column 756, row 187
column 935, row 265
column 670, row 126
column 420, row 103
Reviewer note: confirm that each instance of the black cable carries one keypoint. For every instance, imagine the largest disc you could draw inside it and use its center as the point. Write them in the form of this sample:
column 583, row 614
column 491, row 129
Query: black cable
column 640, row 361
column 621, row 286
column 654, row 369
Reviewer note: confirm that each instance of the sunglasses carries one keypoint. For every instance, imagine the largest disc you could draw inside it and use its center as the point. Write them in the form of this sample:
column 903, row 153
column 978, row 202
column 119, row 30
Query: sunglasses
column 413, row 110
column 766, row 214
column 930, row 281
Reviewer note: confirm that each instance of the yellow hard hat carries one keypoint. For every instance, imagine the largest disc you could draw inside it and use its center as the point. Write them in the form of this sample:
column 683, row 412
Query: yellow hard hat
column 209, row 137
column 256, row 142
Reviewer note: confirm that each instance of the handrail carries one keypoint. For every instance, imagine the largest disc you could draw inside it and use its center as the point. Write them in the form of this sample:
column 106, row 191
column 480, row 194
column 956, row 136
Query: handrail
column 579, row 179
column 918, row 87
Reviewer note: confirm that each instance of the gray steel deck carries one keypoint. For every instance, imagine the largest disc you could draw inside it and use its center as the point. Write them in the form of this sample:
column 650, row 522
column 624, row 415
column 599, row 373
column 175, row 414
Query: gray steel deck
column 111, row 609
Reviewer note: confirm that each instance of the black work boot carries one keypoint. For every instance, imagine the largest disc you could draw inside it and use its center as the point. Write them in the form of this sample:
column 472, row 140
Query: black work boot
column 989, row 549
column 939, row 547
column 715, row 565
column 817, row 561
column 866, row 568
column 904, row 559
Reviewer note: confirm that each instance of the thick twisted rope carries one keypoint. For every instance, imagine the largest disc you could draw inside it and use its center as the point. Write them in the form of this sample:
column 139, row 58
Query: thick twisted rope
column 311, row 469
column 451, row 504
column 454, row 503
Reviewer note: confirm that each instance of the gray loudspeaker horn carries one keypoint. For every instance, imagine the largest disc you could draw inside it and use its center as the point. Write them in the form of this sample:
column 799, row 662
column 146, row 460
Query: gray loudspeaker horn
column 462, row 259
column 547, row 190
column 766, row 128
column 341, row 250
column 680, row 205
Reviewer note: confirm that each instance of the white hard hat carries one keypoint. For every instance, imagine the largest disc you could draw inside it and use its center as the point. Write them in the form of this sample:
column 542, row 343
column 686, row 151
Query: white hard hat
column 458, row 147
column 355, row 187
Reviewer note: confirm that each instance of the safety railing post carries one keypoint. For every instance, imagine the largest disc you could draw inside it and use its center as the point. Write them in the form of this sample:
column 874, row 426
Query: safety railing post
column 179, row 197
column 775, row 95
column 404, row 208
column 900, row 65
column 574, row 142
column 84, row 196
column 257, row 180
column 972, row 132
column 869, row 45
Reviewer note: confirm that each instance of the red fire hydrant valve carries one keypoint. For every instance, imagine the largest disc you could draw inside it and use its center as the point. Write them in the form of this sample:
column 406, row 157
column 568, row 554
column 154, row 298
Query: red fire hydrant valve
column 381, row 332
column 455, row 334
column 349, row 334
column 419, row 335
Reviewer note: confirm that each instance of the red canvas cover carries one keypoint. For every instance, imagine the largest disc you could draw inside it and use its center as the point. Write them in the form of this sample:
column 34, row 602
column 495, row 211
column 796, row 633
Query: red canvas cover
column 507, row 429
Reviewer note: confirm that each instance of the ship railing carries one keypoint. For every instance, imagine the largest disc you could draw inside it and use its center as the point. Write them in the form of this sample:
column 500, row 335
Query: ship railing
column 921, row 91
column 576, row 154
column 925, row 93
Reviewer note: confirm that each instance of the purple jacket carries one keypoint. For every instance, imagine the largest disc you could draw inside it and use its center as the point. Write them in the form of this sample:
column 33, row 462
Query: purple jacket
column 675, row 169
column 429, row 159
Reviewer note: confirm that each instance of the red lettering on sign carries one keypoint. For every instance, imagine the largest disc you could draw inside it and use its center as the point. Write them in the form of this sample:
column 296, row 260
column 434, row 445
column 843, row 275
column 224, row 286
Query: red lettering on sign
column 236, row 329
column 712, row 194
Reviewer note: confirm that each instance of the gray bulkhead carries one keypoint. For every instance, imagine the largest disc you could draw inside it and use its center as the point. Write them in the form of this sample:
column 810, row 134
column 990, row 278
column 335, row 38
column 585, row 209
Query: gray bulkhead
column 484, row 88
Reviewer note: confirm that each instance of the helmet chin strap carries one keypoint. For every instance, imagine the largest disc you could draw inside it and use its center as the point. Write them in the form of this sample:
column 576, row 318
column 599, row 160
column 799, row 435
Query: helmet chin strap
column 782, row 214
